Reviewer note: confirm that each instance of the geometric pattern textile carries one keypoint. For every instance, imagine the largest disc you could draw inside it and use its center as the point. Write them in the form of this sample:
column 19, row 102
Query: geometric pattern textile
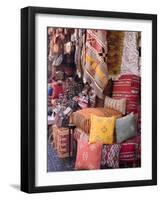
column 95, row 69
column 110, row 156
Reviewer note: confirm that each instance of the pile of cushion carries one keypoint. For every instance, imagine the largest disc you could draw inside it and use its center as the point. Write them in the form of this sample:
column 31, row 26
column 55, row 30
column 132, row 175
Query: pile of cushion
column 112, row 143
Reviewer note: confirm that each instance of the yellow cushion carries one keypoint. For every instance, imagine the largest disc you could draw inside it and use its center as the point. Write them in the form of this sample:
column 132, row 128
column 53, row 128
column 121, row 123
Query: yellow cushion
column 102, row 129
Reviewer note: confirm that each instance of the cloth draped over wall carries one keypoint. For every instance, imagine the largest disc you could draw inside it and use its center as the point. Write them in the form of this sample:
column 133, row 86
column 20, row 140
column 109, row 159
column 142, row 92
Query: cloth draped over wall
column 95, row 68
column 115, row 40
column 79, row 41
column 130, row 58
column 102, row 57
column 97, row 55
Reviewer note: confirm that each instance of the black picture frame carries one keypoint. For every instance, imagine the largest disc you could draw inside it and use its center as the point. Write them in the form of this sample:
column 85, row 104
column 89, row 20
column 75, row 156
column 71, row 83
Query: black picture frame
column 28, row 98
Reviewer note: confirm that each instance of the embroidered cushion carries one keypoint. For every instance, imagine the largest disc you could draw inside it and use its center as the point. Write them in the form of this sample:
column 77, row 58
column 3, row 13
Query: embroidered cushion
column 110, row 156
column 125, row 128
column 88, row 155
column 116, row 104
column 127, row 153
column 102, row 129
column 82, row 118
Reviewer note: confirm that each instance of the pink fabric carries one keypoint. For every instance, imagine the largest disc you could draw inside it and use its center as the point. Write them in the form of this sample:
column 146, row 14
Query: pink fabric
column 88, row 155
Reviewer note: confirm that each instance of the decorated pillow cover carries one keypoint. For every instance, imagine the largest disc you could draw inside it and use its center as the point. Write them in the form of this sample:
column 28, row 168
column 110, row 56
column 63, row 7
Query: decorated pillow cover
column 110, row 156
column 88, row 155
column 116, row 104
column 102, row 129
column 125, row 128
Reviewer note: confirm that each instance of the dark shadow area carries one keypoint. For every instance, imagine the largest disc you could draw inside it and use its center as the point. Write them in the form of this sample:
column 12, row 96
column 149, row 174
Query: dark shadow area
column 15, row 186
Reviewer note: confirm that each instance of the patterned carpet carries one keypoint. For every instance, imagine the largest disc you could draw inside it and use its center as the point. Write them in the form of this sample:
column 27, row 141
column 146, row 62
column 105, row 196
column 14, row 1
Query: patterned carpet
column 55, row 163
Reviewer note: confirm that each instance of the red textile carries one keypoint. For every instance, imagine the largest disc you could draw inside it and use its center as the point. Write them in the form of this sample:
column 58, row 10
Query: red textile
column 57, row 90
column 128, row 86
column 137, row 142
column 127, row 152
column 88, row 155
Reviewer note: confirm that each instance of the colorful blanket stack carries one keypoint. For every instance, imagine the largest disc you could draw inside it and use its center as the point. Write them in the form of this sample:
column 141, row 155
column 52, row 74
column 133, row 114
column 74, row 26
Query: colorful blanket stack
column 128, row 87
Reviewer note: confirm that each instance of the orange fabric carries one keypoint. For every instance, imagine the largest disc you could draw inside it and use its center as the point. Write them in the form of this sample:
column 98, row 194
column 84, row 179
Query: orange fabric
column 88, row 155
column 102, row 129
column 82, row 118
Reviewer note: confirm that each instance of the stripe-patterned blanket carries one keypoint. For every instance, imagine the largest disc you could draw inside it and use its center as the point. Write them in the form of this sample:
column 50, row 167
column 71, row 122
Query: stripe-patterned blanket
column 95, row 67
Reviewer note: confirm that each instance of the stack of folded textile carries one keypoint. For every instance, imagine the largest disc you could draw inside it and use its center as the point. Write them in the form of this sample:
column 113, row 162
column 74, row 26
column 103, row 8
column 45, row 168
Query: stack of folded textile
column 128, row 86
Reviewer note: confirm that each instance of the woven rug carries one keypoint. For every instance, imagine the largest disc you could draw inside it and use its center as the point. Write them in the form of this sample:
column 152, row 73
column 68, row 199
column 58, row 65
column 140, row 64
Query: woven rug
column 54, row 163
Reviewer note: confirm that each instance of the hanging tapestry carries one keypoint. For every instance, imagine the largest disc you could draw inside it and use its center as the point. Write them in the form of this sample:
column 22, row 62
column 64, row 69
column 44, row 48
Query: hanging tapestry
column 130, row 58
column 95, row 68
column 79, row 40
column 115, row 48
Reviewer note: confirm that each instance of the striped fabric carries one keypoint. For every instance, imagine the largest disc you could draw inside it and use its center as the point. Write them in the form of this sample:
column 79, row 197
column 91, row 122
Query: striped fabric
column 137, row 141
column 96, row 60
column 128, row 86
column 127, row 153
column 116, row 104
